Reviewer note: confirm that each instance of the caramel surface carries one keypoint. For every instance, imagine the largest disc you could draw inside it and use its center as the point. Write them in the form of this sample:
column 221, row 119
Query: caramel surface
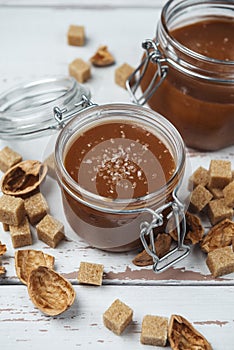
column 211, row 38
column 117, row 160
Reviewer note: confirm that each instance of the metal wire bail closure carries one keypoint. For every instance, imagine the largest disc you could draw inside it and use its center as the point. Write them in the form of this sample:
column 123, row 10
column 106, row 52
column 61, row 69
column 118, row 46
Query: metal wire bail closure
column 61, row 116
column 181, row 250
column 152, row 54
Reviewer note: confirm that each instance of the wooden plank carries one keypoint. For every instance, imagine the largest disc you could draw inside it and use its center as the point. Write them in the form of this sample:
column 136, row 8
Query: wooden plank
column 24, row 327
column 85, row 4
column 33, row 54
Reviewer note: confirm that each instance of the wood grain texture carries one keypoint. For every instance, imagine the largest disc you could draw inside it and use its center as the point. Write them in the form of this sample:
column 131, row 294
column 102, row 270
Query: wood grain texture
column 25, row 327
column 85, row 4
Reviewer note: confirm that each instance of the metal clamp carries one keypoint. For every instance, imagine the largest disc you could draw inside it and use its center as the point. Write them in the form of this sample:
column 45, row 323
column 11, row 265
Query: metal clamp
column 63, row 115
column 152, row 54
column 147, row 230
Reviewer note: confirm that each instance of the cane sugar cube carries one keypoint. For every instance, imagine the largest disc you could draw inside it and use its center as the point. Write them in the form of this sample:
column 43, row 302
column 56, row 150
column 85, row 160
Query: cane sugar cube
column 200, row 197
column 90, row 273
column 50, row 231
column 12, row 210
column 218, row 210
column 80, row 70
column 221, row 261
column 8, row 158
column 228, row 193
column 36, row 208
column 199, row 177
column 76, row 35
column 154, row 330
column 21, row 234
column 117, row 317
column 122, row 73
column 216, row 192
column 220, row 173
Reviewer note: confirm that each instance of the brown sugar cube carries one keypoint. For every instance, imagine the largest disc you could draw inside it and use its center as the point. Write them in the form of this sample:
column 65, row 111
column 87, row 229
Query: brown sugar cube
column 5, row 227
column 221, row 261
column 50, row 163
column 200, row 197
column 76, row 35
column 117, row 317
column 154, row 330
column 50, row 231
column 220, row 173
column 216, row 192
column 90, row 273
column 122, row 73
column 12, row 210
column 36, row 208
column 199, row 177
column 228, row 193
column 21, row 235
column 8, row 158
column 80, row 70
column 218, row 210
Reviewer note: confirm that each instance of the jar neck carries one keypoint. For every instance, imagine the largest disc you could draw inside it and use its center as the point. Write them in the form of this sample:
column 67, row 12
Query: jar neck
column 179, row 13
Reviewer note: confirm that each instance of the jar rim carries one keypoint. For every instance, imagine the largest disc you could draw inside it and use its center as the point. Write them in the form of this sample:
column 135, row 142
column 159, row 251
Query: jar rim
column 97, row 113
column 180, row 6
column 26, row 110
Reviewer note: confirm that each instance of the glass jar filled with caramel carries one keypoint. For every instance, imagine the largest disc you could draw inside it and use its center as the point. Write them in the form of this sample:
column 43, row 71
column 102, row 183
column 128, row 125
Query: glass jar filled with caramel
column 187, row 72
column 119, row 167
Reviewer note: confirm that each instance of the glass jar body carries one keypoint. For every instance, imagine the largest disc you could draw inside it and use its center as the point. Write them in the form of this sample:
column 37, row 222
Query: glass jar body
column 114, row 225
column 197, row 95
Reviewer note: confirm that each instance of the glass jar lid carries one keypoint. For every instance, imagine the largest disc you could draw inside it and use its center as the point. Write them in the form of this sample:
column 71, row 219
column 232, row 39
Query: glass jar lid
column 31, row 109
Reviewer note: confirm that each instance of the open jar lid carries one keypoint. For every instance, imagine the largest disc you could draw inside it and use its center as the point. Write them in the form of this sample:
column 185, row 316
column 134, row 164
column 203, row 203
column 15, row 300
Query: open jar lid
column 29, row 110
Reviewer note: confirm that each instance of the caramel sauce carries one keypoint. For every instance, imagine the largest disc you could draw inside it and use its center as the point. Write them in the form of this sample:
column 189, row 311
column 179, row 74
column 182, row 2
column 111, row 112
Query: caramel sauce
column 202, row 111
column 211, row 38
column 119, row 160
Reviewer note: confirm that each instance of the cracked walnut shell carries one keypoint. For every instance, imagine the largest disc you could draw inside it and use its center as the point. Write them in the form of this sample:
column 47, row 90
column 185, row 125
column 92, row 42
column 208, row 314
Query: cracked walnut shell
column 50, row 292
column 183, row 336
column 220, row 235
column 23, row 178
column 102, row 57
column 28, row 260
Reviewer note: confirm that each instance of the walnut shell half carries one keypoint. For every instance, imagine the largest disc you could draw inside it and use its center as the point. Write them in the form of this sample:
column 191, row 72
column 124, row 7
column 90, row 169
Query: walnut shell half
column 49, row 291
column 183, row 336
column 23, row 178
column 28, row 260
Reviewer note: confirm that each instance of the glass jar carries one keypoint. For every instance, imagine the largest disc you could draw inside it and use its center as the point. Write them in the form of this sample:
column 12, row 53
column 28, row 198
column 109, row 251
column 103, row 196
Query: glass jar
column 117, row 224
column 27, row 110
column 187, row 73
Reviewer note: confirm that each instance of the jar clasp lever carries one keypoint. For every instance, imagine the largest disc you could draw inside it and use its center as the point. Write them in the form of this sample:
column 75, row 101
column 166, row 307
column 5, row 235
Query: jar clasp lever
column 178, row 252
column 153, row 55
column 63, row 115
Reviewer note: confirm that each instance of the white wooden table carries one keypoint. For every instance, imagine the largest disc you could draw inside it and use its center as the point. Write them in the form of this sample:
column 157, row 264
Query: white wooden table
column 33, row 45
